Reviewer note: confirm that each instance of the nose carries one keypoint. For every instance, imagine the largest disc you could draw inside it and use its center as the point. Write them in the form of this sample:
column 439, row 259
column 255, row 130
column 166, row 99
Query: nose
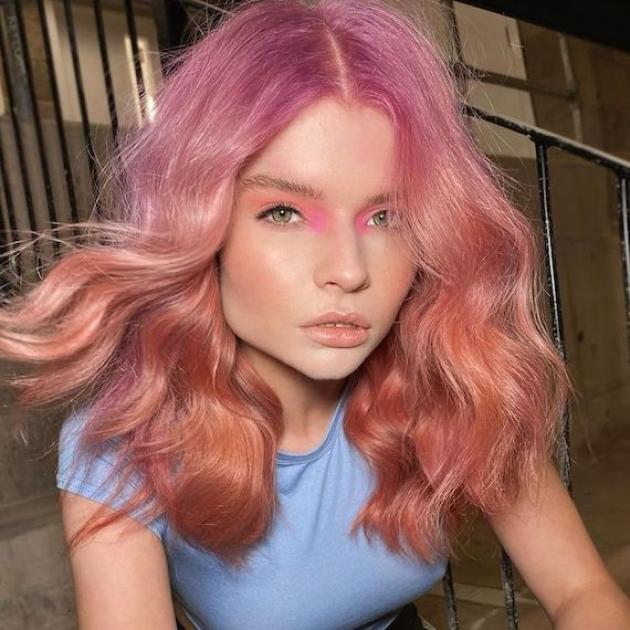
column 341, row 259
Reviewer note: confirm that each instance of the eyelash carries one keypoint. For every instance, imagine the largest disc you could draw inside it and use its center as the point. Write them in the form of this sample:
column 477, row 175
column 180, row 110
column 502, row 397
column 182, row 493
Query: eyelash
column 265, row 213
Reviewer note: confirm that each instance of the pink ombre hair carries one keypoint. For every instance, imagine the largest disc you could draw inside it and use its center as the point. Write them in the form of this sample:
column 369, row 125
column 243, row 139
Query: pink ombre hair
column 456, row 411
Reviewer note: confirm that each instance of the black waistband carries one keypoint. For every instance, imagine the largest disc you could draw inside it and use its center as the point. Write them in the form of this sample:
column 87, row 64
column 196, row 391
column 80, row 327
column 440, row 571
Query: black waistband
column 407, row 619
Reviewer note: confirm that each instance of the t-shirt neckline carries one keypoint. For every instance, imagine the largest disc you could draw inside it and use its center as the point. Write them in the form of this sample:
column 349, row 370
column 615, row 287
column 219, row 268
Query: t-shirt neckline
column 285, row 457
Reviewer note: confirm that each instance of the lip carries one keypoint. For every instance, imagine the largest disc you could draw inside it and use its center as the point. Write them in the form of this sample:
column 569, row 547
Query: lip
column 333, row 317
column 337, row 336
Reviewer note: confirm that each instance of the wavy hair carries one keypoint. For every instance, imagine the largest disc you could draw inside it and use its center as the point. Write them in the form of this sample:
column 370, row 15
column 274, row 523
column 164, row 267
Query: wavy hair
column 457, row 409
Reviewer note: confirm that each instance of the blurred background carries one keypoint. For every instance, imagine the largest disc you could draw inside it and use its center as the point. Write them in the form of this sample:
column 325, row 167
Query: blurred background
column 547, row 89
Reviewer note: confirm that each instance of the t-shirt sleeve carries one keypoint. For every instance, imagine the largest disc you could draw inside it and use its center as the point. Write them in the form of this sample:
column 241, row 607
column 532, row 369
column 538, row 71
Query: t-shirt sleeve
column 91, row 476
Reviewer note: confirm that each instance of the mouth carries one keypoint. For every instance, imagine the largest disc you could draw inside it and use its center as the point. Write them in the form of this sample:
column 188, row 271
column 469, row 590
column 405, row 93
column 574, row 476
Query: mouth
column 341, row 319
column 337, row 335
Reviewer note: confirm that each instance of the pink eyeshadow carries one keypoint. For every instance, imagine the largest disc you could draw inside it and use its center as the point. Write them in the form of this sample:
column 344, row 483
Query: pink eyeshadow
column 317, row 218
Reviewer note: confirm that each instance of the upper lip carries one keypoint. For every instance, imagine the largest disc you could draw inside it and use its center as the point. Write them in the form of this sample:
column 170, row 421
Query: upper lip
column 333, row 317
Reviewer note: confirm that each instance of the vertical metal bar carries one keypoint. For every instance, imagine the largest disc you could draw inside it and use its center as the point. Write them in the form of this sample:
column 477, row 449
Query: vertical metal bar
column 85, row 123
column 171, row 22
column 39, row 134
column 133, row 36
column 450, row 601
column 54, row 87
column 542, row 165
column 621, row 185
column 107, row 75
column 14, row 261
column 508, row 591
column 10, row 24
column 458, row 53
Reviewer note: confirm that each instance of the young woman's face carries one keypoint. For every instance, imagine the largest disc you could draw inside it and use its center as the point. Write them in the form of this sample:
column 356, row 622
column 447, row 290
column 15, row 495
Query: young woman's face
column 313, row 253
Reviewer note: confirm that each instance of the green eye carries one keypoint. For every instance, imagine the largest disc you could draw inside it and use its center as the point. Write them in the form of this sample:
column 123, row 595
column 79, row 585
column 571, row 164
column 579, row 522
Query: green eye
column 381, row 217
column 281, row 212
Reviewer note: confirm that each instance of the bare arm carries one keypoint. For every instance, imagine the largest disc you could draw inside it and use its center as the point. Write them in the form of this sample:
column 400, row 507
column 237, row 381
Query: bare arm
column 550, row 546
column 120, row 581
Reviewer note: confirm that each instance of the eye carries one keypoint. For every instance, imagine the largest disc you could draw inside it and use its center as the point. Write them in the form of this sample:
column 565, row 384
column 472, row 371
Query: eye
column 386, row 218
column 281, row 211
column 382, row 215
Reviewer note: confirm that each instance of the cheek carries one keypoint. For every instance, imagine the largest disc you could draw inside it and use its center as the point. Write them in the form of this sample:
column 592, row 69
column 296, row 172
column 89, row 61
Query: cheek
column 396, row 278
column 252, row 279
column 242, row 277
column 241, row 283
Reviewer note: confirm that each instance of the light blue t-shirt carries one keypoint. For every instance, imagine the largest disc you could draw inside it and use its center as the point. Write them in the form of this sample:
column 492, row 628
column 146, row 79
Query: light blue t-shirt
column 308, row 572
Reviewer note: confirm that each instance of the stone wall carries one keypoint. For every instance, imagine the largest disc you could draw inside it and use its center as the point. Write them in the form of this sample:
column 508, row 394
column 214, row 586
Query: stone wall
column 586, row 223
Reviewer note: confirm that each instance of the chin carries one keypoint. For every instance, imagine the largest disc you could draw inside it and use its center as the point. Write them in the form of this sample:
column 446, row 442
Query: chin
column 322, row 364
column 330, row 370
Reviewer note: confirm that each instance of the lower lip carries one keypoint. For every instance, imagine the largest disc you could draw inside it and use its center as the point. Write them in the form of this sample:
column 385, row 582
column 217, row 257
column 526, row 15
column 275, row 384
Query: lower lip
column 338, row 336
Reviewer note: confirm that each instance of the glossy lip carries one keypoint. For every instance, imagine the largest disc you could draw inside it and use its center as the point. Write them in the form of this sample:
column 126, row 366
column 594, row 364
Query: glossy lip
column 334, row 317
column 337, row 336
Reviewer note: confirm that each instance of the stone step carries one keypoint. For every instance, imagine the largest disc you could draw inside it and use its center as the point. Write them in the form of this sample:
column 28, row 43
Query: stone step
column 36, row 590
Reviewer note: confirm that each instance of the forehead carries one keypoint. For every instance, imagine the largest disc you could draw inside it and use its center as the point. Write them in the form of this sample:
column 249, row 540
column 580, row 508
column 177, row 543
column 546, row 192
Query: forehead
column 327, row 151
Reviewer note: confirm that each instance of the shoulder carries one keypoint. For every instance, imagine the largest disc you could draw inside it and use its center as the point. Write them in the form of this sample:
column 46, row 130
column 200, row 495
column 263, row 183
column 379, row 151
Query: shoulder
column 96, row 474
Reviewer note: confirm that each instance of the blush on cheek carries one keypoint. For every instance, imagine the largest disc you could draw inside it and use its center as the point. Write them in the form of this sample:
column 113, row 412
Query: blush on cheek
column 245, row 276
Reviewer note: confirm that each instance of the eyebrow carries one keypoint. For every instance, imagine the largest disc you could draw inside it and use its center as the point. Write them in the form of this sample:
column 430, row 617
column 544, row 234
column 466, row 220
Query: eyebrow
column 286, row 185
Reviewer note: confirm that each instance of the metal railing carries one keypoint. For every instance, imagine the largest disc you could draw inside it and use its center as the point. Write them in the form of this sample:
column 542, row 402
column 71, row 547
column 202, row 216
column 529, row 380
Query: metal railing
column 22, row 127
column 543, row 141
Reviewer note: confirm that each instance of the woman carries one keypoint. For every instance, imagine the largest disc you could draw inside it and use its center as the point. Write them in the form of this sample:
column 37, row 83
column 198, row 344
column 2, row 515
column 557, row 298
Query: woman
column 305, row 348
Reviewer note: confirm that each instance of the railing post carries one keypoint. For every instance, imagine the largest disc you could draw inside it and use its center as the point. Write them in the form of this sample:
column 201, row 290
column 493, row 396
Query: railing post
column 171, row 22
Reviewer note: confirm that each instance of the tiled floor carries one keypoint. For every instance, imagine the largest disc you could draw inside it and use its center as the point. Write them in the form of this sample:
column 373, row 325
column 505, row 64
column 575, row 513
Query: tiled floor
column 601, row 490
